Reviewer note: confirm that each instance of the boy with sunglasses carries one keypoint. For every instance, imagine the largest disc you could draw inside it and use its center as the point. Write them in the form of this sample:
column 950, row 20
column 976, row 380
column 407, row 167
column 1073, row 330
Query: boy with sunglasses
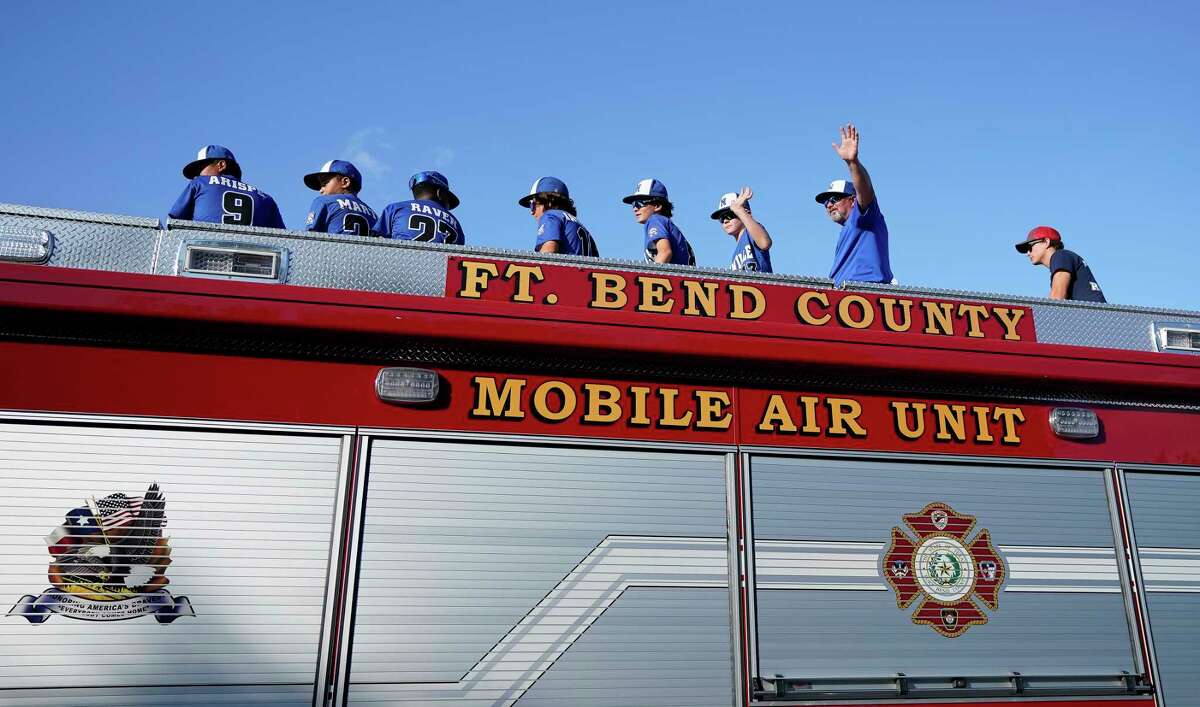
column 337, row 208
column 862, row 247
column 559, row 231
column 752, row 251
column 664, row 241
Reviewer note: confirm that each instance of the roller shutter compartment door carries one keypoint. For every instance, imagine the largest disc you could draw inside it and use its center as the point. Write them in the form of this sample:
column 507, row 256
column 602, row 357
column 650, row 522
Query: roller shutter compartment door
column 221, row 605
column 501, row 574
column 869, row 569
column 1166, row 524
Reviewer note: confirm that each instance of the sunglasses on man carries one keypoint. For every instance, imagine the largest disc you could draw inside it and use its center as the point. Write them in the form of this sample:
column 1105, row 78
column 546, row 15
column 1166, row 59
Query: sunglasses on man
column 835, row 198
column 639, row 203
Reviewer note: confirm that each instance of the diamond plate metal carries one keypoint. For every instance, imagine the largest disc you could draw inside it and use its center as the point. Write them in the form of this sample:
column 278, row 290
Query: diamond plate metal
column 139, row 245
column 90, row 241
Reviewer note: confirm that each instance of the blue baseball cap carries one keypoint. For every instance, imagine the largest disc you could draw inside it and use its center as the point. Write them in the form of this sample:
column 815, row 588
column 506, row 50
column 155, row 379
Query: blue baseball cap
column 437, row 179
column 341, row 167
column 545, row 185
column 838, row 187
column 209, row 153
column 648, row 189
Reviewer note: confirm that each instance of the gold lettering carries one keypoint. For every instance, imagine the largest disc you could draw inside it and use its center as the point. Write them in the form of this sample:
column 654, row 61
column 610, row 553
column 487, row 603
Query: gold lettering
column 843, row 312
column 810, row 415
column 541, row 406
column 603, row 403
column 637, row 415
column 669, row 417
column 738, row 294
column 710, row 410
column 938, row 317
column 1009, row 318
column 475, row 277
column 889, row 315
column 525, row 274
column 975, row 314
column 608, row 291
column 982, row 431
column 493, row 402
column 776, row 417
column 950, row 419
column 900, row 411
column 701, row 298
column 805, row 313
column 843, row 417
column 654, row 291
column 1010, row 417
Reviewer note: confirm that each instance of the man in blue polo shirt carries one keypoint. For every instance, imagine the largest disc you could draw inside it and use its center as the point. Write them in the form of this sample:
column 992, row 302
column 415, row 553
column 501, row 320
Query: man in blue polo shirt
column 215, row 193
column 862, row 247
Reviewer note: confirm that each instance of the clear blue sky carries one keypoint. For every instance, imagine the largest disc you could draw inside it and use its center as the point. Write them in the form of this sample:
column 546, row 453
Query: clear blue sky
column 978, row 121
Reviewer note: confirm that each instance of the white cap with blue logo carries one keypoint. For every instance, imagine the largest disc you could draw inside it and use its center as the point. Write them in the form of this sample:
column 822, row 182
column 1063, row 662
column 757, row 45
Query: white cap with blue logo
column 838, row 187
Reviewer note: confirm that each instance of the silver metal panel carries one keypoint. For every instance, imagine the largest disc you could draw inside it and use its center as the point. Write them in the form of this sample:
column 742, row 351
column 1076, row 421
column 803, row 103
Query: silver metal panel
column 1167, row 527
column 481, row 565
column 249, row 523
column 126, row 244
column 821, row 529
column 230, row 696
column 90, row 241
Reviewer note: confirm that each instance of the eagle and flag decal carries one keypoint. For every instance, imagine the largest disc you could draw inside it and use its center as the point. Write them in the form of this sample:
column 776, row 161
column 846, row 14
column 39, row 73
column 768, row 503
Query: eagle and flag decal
column 944, row 570
column 108, row 562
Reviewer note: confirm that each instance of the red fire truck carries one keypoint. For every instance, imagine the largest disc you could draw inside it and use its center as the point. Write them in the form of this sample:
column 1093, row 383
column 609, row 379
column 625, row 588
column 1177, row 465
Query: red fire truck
column 260, row 467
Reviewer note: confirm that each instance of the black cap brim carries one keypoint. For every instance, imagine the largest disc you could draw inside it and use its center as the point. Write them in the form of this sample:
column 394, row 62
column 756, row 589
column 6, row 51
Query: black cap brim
column 192, row 169
column 1026, row 246
column 826, row 194
column 716, row 215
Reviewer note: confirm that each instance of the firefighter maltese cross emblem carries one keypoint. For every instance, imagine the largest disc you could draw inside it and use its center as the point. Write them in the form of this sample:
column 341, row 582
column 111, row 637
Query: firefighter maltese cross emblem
column 944, row 570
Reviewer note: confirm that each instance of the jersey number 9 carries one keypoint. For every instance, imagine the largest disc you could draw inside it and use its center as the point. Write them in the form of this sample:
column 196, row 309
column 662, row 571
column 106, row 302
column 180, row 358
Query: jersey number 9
column 238, row 208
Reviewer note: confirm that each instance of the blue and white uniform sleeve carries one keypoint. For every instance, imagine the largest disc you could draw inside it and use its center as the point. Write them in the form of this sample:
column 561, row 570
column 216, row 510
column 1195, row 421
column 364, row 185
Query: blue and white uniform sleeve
column 550, row 228
column 186, row 203
column 382, row 226
column 318, row 216
column 656, row 229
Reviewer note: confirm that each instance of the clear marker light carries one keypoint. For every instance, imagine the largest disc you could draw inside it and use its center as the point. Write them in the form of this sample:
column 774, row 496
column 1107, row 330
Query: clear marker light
column 1074, row 423
column 407, row 385
column 25, row 245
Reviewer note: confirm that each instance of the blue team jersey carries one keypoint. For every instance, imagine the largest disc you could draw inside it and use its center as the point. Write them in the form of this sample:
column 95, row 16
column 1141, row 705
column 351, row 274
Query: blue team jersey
column 420, row 220
column 659, row 227
column 573, row 238
column 748, row 256
column 222, row 199
column 862, row 248
column 340, row 213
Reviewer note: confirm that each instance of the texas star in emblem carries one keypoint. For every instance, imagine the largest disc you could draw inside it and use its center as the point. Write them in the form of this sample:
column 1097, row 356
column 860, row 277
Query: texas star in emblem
column 948, row 572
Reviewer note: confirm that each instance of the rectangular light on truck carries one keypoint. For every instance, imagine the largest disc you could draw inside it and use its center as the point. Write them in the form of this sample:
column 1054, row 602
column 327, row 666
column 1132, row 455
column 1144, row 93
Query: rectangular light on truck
column 25, row 245
column 407, row 385
column 1178, row 339
column 1074, row 423
column 232, row 261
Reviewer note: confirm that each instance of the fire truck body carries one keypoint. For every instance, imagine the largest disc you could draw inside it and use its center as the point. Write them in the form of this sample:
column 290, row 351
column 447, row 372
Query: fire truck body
column 406, row 474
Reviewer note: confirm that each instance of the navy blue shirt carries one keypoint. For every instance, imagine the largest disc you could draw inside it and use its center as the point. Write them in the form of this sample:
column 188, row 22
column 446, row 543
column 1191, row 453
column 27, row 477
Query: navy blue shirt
column 420, row 220
column 221, row 199
column 573, row 238
column 340, row 213
column 748, row 256
column 862, row 248
column 659, row 227
column 1083, row 285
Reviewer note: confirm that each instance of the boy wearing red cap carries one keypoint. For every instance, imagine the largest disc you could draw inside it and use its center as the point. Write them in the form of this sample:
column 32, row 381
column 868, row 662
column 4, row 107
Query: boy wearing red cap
column 1070, row 276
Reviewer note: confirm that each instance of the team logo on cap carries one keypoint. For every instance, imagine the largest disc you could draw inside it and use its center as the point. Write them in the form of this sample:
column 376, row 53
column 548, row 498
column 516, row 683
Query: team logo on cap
column 944, row 570
column 108, row 562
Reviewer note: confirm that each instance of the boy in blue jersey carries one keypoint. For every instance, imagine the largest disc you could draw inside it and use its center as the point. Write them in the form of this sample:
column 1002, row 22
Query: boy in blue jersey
column 559, row 231
column 338, row 208
column 862, row 248
column 216, row 193
column 752, row 251
column 664, row 241
column 427, row 216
